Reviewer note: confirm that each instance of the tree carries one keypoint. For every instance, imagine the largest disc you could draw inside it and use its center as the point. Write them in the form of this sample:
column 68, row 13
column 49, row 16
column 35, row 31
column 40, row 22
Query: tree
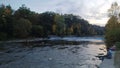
column 113, row 26
column 23, row 12
column 112, row 31
column 6, row 20
column 77, row 29
column 37, row 31
column 22, row 28
column 46, row 20
column 114, row 10
column 112, row 23
column 59, row 25
column 24, row 23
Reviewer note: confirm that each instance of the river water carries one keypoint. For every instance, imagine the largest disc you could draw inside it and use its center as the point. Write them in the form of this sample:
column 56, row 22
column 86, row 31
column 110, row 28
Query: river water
column 81, row 55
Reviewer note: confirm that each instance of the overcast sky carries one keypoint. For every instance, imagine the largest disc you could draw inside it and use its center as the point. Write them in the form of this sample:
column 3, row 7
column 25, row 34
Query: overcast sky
column 95, row 11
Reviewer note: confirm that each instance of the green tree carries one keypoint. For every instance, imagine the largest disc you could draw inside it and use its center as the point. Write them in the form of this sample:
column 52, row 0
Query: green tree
column 113, row 26
column 112, row 31
column 22, row 28
column 22, row 12
column 46, row 20
column 37, row 31
column 59, row 25
column 24, row 23
column 6, row 20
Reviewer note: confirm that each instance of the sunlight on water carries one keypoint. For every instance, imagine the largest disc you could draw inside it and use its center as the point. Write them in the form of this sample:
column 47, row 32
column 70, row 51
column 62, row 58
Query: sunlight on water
column 95, row 39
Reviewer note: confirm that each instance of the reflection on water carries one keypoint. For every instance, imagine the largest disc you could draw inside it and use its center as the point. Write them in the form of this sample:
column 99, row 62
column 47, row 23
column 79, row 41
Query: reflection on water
column 67, row 52
column 92, row 39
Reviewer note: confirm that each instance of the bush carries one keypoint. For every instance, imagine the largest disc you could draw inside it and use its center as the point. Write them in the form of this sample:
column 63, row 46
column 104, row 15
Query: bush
column 117, row 44
column 22, row 28
column 112, row 36
column 3, row 36
column 37, row 31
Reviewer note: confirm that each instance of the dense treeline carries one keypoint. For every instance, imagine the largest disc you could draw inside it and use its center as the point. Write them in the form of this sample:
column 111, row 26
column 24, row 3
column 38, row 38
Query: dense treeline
column 112, row 33
column 24, row 23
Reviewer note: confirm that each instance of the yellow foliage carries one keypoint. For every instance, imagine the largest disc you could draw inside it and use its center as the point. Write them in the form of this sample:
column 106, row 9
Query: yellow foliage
column 54, row 28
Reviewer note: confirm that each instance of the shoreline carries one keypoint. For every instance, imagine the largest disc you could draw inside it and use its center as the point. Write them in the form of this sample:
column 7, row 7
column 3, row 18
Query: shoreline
column 108, row 63
column 117, row 59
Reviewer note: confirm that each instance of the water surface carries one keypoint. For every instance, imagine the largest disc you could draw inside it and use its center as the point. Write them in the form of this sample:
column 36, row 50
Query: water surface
column 82, row 55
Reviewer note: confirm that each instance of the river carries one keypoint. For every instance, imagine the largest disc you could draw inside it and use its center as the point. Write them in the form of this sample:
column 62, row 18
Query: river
column 71, row 55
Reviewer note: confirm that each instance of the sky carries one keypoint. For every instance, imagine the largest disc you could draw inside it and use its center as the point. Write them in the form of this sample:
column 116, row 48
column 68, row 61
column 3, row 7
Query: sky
column 94, row 11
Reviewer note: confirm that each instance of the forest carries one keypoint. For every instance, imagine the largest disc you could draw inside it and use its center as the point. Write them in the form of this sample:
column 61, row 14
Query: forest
column 24, row 23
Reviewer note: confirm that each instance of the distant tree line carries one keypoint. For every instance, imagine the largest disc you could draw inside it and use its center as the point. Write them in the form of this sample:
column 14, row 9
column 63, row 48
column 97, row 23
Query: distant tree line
column 23, row 23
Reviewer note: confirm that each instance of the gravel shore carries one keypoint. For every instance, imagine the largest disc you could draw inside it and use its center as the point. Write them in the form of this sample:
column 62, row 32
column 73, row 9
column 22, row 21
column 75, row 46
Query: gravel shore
column 108, row 63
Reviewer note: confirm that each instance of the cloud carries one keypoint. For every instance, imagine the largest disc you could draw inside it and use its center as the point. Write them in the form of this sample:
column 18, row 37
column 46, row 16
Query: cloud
column 95, row 11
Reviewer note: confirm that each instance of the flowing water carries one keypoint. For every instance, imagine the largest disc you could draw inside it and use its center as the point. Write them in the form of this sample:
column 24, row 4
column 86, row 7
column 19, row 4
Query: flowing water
column 84, row 54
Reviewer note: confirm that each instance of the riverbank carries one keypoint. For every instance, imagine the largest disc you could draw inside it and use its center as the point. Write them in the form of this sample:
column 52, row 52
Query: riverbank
column 117, row 59
column 108, row 63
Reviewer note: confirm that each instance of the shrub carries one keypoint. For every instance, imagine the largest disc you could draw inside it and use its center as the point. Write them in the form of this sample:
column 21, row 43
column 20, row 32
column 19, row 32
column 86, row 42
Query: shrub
column 37, row 31
column 22, row 28
column 3, row 36
column 112, row 36
column 117, row 44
